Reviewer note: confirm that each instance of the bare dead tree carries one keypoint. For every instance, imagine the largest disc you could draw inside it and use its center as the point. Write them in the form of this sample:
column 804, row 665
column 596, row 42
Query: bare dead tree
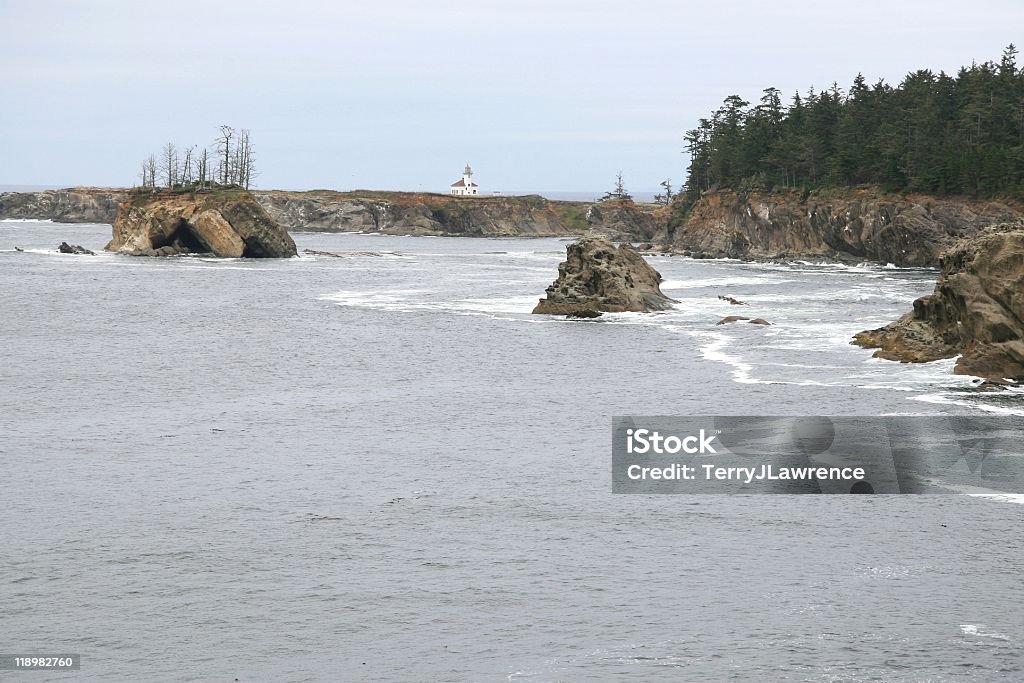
column 169, row 164
column 186, row 166
column 230, row 161
column 224, row 150
column 665, row 199
column 201, row 166
column 236, row 164
column 245, row 159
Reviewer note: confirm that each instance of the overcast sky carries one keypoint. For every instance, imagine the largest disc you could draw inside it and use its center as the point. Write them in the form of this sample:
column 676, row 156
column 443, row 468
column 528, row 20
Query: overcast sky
column 400, row 94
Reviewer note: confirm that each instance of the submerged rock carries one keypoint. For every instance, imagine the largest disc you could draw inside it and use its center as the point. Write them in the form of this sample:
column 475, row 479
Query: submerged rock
column 317, row 252
column 737, row 318
column 585, row 313
column 734, row 302
column 347, row 254
column 66, row 248
column 976, row 311
column 226, row 223
column 598, row 276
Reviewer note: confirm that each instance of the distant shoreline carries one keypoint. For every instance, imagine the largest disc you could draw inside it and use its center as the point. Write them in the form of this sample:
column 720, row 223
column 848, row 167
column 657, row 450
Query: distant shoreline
column 554, row 195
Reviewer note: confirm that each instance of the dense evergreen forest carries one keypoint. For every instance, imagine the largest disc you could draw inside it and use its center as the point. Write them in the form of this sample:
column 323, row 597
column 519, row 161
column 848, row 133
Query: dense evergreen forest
column 934, row 133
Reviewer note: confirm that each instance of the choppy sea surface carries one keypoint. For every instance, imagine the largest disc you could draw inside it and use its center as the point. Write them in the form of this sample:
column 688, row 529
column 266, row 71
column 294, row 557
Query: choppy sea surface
column 382, row 467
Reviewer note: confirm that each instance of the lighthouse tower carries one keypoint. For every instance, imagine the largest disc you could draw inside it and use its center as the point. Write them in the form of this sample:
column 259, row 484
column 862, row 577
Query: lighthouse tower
column 466, row 186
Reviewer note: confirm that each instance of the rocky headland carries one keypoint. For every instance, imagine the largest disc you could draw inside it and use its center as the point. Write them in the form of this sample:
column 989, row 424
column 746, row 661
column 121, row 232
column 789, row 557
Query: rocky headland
column 393, row 213
column 976, row 311
column 72, row 205
column 421, row 213
column 226, row 223
column 848, row 225
column 628, row 221
column 598, row 277
column 858, row 224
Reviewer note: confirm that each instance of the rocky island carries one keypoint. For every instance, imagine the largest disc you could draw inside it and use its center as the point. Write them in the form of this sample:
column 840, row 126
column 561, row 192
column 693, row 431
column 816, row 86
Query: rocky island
column 976, row 311
column 228, row 223
column 597, row 277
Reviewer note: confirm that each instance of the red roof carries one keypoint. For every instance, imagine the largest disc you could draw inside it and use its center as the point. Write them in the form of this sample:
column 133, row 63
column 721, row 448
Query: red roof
column 462, row 183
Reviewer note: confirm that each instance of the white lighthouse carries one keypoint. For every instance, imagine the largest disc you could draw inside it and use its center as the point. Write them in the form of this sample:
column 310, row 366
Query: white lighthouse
column 466, row 185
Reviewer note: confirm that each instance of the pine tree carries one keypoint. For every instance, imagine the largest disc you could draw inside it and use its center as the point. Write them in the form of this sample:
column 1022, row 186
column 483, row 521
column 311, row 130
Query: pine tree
column 619, row 192
column 933, row 133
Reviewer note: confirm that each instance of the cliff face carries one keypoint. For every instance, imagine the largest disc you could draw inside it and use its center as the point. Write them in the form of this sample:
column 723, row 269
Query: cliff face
column 597, row 276
column 856, row 224
column 73, row 205
column 395, row 213
column 227, row 223
column 414, row 213
column 976, row 310
column 860, row 225
column 627, row 221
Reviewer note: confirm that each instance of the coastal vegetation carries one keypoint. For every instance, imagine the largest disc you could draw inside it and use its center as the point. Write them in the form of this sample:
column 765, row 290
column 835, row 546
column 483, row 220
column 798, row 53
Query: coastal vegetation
column 619, row 192
column 229, row 161
column 934, row 133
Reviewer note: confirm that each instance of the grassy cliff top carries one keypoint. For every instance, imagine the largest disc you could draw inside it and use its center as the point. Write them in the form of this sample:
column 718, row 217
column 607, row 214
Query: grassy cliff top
column 417, row 197
column 144, row 197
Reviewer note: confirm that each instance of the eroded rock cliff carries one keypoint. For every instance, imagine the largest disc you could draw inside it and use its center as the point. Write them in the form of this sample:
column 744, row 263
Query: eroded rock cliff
column 976, row 310
column 861, row 224
column 72, row 205
column 227, row 223
column 627, row 220
column 323, row 210
column 420, row 213
column 597, row 276
column 858, row 225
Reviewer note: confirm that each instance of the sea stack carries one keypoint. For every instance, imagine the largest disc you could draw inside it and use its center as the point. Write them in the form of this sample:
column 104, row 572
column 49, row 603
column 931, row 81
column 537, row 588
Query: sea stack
column 976, row 310
column 226, row 222
column 598, row 276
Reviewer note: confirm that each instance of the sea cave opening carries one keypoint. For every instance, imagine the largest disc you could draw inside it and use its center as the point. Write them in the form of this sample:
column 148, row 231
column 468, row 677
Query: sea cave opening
column 184, row 239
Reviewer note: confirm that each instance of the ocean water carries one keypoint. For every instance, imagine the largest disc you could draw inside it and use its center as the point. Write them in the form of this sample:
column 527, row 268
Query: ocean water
column 382, row 467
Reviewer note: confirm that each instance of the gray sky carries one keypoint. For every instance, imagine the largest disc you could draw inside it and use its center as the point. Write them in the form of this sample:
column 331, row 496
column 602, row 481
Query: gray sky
column 399, row 94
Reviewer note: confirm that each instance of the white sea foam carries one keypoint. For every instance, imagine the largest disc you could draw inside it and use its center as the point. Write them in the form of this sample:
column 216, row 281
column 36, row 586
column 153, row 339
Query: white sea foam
column 524, row 304
column 383, row 299
column 531, row 255
column 715, row 351
column 736, row 281
column 411, row 301
column 45, row 252
column 980, row 631
column 977, row 402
